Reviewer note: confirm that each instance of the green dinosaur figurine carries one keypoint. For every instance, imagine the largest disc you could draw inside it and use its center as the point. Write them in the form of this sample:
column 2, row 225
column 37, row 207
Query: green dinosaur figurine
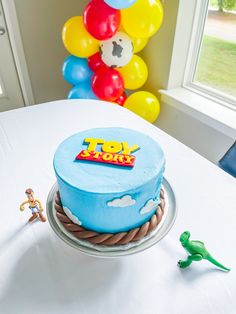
column 197, row 252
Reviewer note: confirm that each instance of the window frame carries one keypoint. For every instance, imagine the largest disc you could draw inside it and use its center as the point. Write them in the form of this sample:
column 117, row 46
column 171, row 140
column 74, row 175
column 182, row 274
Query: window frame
column 191, row 19
column 178, row 90
column 192, row 62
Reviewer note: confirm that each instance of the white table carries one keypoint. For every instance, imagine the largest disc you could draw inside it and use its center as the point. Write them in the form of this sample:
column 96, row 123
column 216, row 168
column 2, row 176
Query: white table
column 41, row 274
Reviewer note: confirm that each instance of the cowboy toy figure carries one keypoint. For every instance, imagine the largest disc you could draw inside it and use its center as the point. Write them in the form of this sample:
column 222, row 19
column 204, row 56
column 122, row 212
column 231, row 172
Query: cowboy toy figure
column 34, row 205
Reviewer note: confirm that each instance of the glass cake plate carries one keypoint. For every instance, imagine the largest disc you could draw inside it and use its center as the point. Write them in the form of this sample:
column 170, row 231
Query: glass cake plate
column 115, row 250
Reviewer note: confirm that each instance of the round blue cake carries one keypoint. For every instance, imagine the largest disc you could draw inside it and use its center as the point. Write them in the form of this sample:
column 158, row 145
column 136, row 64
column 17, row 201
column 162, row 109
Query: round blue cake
column 109, row 179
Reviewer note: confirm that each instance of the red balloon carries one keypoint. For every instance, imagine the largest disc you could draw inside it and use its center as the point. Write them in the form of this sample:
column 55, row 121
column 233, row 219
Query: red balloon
column 100, row 20
column 121, row 100
column 107, row 84
column 95, row 62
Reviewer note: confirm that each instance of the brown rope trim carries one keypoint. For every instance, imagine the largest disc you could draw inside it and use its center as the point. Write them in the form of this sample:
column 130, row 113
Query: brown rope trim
column 110, row 238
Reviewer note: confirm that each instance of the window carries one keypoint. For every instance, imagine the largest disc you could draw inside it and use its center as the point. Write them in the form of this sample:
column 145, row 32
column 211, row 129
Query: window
column 185, row 87
column 217, row 59
column 211, row 62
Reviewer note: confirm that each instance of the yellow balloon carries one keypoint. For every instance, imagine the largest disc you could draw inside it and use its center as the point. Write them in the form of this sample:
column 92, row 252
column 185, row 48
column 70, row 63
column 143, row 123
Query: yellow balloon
column 139, row 43
column 144, row 104
column 135, row 73
column 77, row 40
column 143, row 18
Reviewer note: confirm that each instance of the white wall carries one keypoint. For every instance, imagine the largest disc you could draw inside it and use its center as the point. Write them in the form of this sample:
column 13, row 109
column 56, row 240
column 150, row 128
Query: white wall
column 41, row 22
column 205, row 140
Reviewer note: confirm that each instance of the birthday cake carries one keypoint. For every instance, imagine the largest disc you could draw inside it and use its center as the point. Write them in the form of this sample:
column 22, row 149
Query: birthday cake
column 109, row 185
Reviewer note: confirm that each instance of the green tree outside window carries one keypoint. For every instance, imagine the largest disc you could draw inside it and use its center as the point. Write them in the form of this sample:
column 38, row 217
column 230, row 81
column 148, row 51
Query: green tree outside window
column 223, row 4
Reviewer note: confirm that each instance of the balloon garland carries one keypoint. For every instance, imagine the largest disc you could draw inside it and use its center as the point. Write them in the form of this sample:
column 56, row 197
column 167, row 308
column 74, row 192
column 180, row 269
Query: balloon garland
column 103, row 44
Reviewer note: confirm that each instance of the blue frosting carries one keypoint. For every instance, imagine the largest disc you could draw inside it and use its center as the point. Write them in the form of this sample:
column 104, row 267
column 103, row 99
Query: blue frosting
column 86, row 188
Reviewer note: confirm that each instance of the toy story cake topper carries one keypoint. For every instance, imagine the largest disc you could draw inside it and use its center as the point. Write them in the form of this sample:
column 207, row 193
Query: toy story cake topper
column 112, row 152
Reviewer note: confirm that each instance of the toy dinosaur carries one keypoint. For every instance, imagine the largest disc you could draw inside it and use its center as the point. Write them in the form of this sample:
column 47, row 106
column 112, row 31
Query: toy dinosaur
column 197, row 252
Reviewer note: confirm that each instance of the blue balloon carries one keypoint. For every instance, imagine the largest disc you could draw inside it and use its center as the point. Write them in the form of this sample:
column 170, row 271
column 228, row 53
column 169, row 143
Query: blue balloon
column 120, row 4
column 75, row 70
column 82, row 91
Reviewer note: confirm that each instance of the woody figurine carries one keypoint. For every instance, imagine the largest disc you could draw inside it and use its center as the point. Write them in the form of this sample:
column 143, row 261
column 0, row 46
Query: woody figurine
column 34, row 205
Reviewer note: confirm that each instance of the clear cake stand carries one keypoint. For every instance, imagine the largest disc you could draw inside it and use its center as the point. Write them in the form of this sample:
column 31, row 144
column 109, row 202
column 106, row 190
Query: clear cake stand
column 121, row 250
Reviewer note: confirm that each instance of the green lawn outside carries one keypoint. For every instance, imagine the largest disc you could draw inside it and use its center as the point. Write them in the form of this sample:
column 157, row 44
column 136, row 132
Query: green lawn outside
column 217, row 65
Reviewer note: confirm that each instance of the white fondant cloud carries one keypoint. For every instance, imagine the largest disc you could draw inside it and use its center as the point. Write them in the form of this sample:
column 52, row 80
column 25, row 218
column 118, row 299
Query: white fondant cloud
column 72, row 217
column 124, row 201
column 149, row 206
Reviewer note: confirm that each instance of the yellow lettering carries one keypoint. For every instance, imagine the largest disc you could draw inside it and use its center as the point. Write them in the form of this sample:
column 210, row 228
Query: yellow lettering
column 115, row 157
column 120, row 158
column 128, row 150
column 111, row 147
column 107, row 156
column 129, row 159
column 85, row 154
column 93, row 142
column 96, row 155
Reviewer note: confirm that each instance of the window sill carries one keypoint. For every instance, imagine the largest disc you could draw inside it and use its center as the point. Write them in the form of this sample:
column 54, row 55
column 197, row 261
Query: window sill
column 217, row 116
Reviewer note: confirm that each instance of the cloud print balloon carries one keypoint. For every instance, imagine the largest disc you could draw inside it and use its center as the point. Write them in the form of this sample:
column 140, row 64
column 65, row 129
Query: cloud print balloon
column 102, row 64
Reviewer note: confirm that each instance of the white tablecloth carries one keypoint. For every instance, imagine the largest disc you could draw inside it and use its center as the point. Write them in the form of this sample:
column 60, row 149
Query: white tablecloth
column 41, row 274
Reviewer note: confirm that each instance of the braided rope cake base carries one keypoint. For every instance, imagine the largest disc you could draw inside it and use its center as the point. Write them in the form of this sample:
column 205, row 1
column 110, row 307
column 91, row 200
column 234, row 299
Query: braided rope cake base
column 109, row 239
